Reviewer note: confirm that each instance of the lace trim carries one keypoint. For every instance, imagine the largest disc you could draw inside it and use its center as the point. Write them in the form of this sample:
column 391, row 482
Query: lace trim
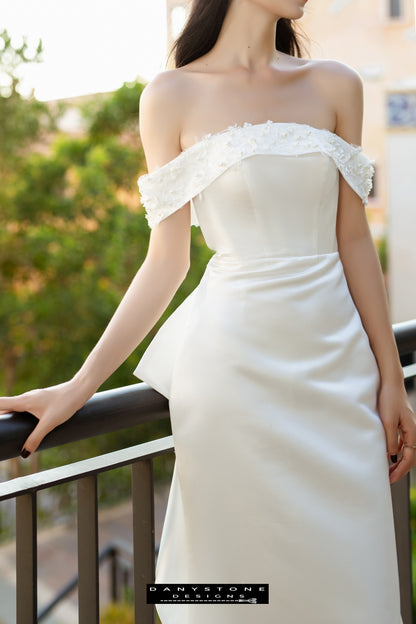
column 170, row 187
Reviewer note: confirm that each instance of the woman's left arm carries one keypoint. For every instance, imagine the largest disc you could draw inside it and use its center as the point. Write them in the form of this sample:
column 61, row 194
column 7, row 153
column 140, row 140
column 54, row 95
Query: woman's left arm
column 364, row 276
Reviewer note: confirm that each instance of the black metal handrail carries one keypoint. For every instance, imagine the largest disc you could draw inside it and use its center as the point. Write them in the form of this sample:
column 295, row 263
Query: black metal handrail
column 105, row 412
column 405, row 335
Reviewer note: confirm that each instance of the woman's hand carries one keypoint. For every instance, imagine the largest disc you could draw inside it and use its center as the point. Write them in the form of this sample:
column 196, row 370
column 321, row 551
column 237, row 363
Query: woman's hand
column 52, row 406
column 399, row 423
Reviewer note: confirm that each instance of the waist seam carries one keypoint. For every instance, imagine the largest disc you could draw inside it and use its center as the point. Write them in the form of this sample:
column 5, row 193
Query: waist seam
column 235, row 258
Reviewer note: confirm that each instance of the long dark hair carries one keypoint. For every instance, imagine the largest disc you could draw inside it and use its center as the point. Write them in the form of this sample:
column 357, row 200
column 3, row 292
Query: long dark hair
column 203, row 27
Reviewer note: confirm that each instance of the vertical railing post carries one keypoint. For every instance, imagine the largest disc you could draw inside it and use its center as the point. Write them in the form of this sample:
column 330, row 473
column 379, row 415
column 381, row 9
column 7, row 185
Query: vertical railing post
column 26, row 559
column 88, row 596
column 143, row 538
column 401, row 512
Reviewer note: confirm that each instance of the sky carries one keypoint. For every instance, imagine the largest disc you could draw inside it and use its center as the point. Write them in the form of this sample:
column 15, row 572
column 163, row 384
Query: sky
column 89, row 45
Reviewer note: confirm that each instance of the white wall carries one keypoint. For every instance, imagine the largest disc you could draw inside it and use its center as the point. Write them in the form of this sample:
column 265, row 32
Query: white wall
column 401, row 222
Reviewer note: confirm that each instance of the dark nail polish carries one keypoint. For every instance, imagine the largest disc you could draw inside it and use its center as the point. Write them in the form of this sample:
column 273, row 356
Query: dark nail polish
column 393, row 458
column 25, row 453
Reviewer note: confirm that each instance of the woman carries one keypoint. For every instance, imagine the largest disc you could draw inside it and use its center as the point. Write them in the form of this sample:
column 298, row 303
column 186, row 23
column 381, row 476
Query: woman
column 285, row 387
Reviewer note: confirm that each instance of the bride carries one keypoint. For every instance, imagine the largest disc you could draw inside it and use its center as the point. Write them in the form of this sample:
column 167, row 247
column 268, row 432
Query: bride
column 286, row 392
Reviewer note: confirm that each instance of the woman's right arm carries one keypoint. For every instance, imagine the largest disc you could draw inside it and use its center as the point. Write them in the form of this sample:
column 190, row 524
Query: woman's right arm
column 153, row 287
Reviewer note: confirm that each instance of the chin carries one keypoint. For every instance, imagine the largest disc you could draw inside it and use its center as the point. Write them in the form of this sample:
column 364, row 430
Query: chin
column 297, row 15
column 295, row 11
column 288, row 9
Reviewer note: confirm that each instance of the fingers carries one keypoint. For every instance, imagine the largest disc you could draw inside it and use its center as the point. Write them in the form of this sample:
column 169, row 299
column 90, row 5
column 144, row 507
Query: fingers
column 47, row 421
column 392, row 439
column 407, row 430
column 405, row 463
column 35, row 438
column 22, row 403
column 13, row 404
column 51, row 406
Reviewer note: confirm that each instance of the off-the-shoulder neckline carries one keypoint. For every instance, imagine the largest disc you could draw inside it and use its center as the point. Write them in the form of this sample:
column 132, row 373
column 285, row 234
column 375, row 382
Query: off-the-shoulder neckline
column 213, row 135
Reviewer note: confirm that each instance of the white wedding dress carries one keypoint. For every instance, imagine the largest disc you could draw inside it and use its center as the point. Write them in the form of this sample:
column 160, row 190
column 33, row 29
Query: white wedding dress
column 281, row 471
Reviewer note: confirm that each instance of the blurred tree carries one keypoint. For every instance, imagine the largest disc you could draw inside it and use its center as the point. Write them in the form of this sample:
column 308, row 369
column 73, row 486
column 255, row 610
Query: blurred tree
column 72, row 236
column 117, row 613
column 22, row 121
column 382, row 253
column 68, row 242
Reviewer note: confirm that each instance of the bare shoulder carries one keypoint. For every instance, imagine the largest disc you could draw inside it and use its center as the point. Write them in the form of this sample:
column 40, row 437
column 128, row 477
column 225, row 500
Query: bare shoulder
column 160, row 117
column 342, row 85
column 164, row 84
column 335, row 73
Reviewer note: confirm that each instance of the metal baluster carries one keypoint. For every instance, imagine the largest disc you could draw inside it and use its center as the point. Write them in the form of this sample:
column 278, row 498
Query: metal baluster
column 143, row 539
column 88, row 590
column 26, row 559
column 401, row 511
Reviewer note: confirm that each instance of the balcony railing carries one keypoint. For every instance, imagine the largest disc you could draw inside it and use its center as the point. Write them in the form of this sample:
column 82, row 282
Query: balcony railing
column 111, row 411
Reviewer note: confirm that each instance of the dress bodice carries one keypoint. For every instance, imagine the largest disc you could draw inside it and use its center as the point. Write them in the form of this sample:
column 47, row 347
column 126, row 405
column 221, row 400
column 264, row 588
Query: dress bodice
column 260, row 189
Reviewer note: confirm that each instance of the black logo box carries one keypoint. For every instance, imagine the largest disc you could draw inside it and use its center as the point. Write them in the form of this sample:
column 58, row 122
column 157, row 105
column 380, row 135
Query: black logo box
column 257, row 593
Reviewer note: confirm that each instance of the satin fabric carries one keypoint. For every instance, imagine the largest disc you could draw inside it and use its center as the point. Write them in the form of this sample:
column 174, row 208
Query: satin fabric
column 281, row 471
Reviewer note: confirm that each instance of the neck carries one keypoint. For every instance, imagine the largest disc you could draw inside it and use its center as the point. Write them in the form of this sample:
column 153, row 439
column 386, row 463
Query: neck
column 246, row 40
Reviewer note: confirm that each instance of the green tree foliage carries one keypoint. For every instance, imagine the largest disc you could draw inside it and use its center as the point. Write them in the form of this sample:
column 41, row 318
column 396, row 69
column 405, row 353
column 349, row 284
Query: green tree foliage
column 118, row 613
column 69, row 247
column 22, row 120
column 72, row 236
column 382, row 253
